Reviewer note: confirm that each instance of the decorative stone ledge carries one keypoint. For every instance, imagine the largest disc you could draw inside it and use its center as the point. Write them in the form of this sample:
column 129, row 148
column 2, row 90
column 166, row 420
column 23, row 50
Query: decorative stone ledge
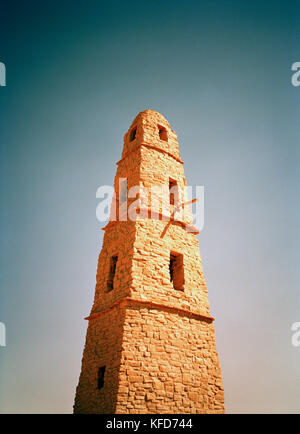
column 131, row 302
column 163, row 151
column 144, row 214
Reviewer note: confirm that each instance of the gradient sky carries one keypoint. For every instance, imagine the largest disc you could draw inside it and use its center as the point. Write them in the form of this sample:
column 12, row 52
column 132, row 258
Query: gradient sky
column 77, row 75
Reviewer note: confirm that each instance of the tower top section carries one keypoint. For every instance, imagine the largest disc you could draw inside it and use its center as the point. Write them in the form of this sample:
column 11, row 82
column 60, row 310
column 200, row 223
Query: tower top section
column 151, row 128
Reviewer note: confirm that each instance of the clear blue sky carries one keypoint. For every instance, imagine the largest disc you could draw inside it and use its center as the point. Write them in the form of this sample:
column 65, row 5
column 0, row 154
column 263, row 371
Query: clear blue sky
column 77, row 74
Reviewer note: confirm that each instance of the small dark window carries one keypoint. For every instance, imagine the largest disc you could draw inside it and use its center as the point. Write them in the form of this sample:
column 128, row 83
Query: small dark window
column 100, row 379
column 163, row 135
column 173, row 191
column 112, row 272
column 176, row 271
column 132, row 134
column 171, row 266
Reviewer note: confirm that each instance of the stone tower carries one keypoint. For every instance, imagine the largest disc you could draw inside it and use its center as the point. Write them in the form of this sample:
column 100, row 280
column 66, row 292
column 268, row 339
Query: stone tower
column 150, row 344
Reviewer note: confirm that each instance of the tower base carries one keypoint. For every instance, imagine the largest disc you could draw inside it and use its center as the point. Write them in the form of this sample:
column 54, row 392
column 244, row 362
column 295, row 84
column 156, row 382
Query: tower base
column 157, row 359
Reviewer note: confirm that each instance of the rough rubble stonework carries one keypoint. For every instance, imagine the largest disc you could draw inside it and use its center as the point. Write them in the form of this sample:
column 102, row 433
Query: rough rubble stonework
column 157, row 343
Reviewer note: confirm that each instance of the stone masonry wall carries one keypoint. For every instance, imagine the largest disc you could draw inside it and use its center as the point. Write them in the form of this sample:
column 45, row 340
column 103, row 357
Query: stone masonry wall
column 169, row 364
column 158, row 360
column 103, row 347
column 154, row 242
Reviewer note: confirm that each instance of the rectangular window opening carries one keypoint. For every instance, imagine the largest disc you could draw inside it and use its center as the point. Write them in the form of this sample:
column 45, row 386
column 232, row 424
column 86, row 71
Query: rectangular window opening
column 173, row 191
column 132, row 134
column 112, row 272
column 163, row 135
column 100, row 379
column 176, row 271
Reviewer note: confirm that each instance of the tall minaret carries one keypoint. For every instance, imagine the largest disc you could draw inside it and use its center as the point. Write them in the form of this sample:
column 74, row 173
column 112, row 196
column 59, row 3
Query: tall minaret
column 150, row 344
